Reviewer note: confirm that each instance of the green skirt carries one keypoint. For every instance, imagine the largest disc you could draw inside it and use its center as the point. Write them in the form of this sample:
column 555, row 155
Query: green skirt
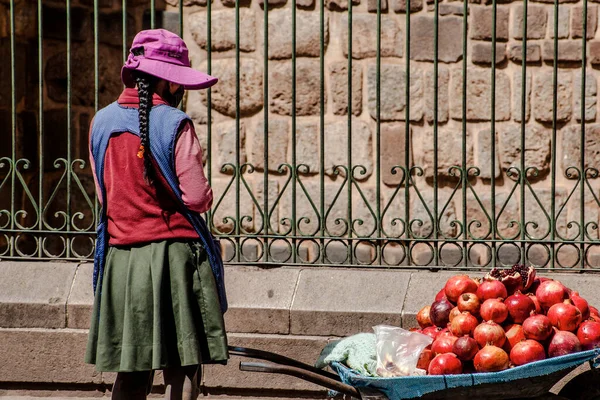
column 159, row 308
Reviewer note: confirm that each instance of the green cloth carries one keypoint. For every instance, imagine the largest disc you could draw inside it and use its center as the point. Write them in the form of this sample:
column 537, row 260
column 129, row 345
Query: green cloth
column 159, row 308
column 359, row 352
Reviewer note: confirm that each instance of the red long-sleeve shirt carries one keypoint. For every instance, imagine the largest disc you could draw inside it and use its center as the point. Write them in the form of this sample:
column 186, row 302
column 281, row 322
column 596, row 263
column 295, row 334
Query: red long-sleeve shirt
column 138, row 212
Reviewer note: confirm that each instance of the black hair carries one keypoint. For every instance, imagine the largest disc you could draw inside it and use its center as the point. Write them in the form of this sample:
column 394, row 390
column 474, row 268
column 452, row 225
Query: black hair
column 145, row 87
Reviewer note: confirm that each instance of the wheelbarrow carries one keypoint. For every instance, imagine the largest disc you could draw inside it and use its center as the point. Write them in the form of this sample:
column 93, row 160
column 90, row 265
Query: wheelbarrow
column 529, row 381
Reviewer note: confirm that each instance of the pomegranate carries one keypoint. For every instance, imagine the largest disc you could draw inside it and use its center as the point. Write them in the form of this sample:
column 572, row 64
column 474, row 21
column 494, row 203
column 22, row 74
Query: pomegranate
column 439, row 313
column 563, row 343
column 494, row 310
column 445, row 364
column 519, row 306
column 463, row 324
column 537, row 327
column 589, row 335
column 491, row 290
column 489, row 333
column 514, row 334
column 458, row 285
column 527, row 351
column 443, row 344
column 581, row 304
column 565, row 316
column 423, row 317
column 538, row 306
column 491, row 359
column 432, row 331
column 425, row 358
column 465, row 348
column 551, row 292
column 594, row 310
column 453, row 313
column 441, row 295
column 445, row 332
column 469, row 302
column 519, row 277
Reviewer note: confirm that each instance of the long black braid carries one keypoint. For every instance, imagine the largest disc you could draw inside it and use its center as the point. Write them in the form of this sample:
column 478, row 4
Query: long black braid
column 145, row 89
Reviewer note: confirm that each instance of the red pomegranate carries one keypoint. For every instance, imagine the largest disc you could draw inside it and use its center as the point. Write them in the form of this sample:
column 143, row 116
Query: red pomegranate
column 489, row 332
column 536, row 284
column 445, row 332
column 581, row 304
column 465, row 348
column 519, row 277
column 443, row 344
column 514, row 334
column 440, row 295
column 469, row 302
column 565, row 316
column 453, row 313
column 519, row 306
column 445, row 364
column 425, row 358
column 551, row 292
column 439, row 313
column 494, row 310
column 538, row 306
column 491, row 359
column 423, row 317
column 458, row 285
column 527, row 351
column 563, row 343
column 589, row 335
column 537, row 327
column 594, row 310
column 432, row 331
column 491, row 290
column 463, row 324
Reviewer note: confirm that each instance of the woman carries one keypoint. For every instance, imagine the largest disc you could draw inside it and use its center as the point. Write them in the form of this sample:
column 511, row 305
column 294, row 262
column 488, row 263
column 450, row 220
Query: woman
column 158, row 275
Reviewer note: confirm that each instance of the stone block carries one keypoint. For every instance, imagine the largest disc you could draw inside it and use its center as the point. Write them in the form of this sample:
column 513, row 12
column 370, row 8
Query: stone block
column 345, row 302
column 225, row 145
column 339, row 5
column 400, row 6
column 111, row 24
column 594, row 55
column 537, row 148
column 533, row 54
column 274, row 3
column 55, row 23
column 591, row 90
column 483, row 156
column 442, row 92
column 259, row 300
column 543, row 92
column 451, row 9
column 308, row 90
column 568, row 51
column 278, row 136
column 479, row 95
column 307, row 145
column 81, row 298
column 479, row 219
column 563, row 22
column 195, row 108
column 536, row 22
column 34, row 295
column 223, row 95
column 481, row 23
column 305, row 3
column 44, row 356
column 577, row 22
column 364, row 36
column 518, row 96
column 481, row 53
column 571, row 148
column 336, row 147
column 372, row 5
column 449, row 151
column 422, row 39
column 302, row 348
column 223, row 29
column 393, row 155
column 308, row 33
column 338, row 75
column 186, row 3
column 393, row 93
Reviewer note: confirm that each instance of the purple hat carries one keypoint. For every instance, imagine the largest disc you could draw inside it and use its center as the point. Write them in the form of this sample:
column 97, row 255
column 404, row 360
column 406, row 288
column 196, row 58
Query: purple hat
column 165, row 56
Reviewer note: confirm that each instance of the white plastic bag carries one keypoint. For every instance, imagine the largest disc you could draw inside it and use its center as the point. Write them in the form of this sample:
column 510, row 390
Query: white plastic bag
column 398, row 350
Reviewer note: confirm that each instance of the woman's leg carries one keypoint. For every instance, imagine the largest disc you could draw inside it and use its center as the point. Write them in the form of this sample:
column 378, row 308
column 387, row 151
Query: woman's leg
column 181, row 383
column 131, row 385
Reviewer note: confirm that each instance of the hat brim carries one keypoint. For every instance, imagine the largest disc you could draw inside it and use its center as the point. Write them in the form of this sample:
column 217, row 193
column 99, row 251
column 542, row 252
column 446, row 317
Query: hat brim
column 187, row 77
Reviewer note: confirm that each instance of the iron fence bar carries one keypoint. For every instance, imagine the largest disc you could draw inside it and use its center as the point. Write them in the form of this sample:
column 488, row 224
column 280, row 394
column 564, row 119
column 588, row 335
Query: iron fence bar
column 124, row 27
column 209, row 213
column 350, row 172
column 522, row 175
column 582, row 173
column 322, row 219
column 40, row 50
column 435, row 222
column 463, row 174
column 153, row 13
column 407, row 138
column 69, row 122
column 294, row 170
column 238, row 169
column 553, row 217
column 266, row 214
column 180, row 17
column 13, row 121
column 378, row 221
column 493, row 134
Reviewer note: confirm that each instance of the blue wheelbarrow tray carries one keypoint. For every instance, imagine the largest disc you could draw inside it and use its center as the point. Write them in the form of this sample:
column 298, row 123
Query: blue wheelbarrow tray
column 528, row 380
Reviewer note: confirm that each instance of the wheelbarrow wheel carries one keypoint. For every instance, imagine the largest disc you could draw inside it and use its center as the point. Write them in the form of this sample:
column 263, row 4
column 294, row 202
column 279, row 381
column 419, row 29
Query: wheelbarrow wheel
column 585, row 386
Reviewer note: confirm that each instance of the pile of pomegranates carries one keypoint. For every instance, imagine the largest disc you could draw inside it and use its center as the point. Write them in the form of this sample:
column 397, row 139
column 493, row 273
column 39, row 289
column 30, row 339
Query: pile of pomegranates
column 508, row 318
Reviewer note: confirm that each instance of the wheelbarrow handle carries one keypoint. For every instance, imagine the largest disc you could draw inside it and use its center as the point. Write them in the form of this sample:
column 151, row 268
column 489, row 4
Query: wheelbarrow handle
column 302, row 374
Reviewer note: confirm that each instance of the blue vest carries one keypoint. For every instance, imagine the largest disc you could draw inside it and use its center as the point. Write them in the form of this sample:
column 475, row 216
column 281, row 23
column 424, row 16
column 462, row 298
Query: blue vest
column 165, row 122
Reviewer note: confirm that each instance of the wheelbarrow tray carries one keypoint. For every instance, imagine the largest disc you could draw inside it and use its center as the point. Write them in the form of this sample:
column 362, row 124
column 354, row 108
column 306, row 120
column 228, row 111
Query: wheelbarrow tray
column 526, row 381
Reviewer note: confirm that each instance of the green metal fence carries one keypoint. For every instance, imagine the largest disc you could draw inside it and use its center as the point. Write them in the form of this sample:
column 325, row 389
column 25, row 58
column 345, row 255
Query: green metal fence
column 435, row 215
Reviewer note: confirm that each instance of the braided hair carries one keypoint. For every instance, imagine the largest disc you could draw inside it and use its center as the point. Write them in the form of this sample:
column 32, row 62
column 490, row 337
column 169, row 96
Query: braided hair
column 145, row 87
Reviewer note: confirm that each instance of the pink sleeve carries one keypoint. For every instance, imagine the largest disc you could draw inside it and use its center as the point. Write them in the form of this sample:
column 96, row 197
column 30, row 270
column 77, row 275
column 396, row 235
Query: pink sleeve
column 196, row 193
column 93, row 165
